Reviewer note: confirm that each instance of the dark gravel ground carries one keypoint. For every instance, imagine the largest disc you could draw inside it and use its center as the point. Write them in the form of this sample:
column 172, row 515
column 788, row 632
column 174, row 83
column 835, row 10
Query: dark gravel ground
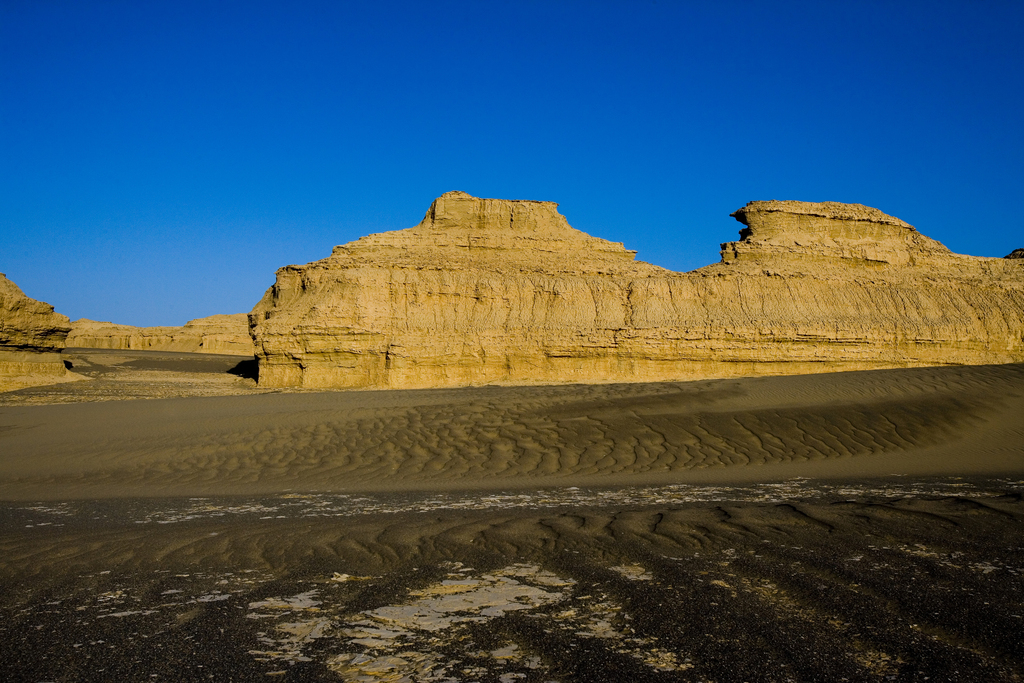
column 870, row 581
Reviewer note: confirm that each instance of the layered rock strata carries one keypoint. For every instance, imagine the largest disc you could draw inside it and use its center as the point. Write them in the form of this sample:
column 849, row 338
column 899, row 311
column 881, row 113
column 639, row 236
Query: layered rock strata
column 494, row 291
column 223, row 334
column 31, row 338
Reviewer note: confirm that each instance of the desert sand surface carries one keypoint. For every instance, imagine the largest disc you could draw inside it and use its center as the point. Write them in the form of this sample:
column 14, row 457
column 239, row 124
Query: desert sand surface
column 168, row 520
column 923, row 421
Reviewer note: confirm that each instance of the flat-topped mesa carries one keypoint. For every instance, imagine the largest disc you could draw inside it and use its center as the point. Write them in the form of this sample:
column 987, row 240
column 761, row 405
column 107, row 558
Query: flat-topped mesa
column 493, row 291
column 31, row 338
column 815, row 232
column 497, row 234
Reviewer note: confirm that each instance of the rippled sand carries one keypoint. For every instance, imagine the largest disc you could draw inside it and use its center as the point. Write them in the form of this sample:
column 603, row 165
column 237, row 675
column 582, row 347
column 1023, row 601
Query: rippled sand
column 960, row 420
column 857, row 526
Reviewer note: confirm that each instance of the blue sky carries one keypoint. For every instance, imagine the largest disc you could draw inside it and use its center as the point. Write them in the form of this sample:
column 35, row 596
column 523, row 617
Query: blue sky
column 160, row 160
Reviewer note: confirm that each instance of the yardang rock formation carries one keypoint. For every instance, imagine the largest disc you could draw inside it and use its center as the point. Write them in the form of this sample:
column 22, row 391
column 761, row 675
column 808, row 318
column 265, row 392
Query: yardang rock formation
column 31, row 338
column 495, row 291
column 223, row 334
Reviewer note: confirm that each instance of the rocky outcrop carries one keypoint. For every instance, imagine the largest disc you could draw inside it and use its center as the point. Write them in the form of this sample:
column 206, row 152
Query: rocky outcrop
column 494, row 291
column 31, row 338
column 1016, row 253
column 223, row 334
column 804, row 235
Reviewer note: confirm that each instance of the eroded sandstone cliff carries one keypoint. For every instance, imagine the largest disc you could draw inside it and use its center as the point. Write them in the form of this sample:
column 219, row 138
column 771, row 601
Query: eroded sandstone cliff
column 31, row 338
column 495, row 291
column 223, row 334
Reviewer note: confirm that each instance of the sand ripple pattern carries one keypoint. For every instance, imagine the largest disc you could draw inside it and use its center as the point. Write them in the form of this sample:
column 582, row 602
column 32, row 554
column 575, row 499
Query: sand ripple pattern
column 348, row 440
column 490, row 440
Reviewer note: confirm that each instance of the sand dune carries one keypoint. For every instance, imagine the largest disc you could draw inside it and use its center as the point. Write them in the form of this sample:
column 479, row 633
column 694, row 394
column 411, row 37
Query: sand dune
column 925, row 421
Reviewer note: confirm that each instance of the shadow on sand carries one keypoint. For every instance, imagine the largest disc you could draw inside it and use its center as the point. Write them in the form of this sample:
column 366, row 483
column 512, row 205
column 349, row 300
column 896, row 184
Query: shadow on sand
column 247, row 369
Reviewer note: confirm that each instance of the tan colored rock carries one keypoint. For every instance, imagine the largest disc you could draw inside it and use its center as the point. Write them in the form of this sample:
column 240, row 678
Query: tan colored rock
column 495, row 291
column 31, row 338
column 804, row 234
column 223, row 334
column 226, row 334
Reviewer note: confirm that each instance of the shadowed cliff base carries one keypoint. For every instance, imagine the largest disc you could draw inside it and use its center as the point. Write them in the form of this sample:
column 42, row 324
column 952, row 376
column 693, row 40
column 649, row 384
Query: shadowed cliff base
column 951, row 420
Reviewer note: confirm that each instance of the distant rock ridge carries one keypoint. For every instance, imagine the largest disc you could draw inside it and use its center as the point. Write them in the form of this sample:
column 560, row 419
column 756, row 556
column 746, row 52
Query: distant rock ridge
column 31, row 338
column 221, row 334
column 498, row 291
column 1016, row 253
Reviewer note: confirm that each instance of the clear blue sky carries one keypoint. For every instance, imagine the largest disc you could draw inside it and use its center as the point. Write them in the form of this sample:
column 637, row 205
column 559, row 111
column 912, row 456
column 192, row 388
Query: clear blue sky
column 160, row 160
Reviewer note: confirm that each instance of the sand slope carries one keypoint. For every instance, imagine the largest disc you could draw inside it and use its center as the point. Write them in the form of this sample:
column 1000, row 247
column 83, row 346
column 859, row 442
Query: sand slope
column 929, row 420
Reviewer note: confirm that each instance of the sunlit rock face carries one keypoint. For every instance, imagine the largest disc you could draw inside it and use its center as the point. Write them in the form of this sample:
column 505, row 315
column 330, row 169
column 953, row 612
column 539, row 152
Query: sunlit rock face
column 31, row 338
column 828, row 234
column 222, row 334
column 496, row 291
